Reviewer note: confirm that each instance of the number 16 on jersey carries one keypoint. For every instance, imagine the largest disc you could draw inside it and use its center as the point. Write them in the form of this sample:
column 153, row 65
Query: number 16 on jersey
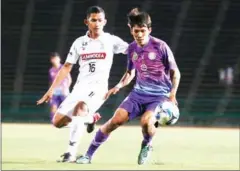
column 92, row 66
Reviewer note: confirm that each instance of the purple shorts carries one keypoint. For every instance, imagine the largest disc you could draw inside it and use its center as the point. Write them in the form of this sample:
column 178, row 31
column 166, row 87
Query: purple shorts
column 57, row 100
column 136, row 104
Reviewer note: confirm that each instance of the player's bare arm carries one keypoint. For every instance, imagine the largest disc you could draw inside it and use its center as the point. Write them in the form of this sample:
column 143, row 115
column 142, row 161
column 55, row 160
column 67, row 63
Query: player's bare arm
column 175, row 78
column 62, row 74
column 125, row 80
column 174, row 74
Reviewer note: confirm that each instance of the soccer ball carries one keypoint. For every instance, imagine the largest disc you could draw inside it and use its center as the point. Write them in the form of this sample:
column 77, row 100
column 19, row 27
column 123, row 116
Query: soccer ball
column 167, row 113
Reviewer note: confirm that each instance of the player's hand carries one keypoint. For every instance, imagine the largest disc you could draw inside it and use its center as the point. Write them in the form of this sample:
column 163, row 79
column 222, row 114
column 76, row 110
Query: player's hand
column 45, row 98
column 114, row 90
column 172, row 98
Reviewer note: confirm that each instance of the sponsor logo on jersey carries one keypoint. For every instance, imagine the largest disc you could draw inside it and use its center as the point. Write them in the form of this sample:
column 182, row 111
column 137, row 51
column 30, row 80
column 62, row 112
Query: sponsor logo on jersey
column 89, row 56
column 152, row 55
column 84, row 44
column 134, row 56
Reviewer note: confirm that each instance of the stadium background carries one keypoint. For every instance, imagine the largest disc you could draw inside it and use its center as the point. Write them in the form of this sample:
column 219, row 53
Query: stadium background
column 204, row 36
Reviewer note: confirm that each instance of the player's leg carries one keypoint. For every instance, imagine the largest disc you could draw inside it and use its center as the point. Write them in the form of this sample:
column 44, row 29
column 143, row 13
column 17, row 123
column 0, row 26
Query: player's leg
column 53, row 106
column 73, row 105
column 53, row 109
column 160, row 111
column 129, row 109
column 119, row 118
column 148, row 130
column 60, row 120
column 67, row 112
column 76, row 131
column 60, row 100
column 93, row 116
column 61, row 117
column 81, row 116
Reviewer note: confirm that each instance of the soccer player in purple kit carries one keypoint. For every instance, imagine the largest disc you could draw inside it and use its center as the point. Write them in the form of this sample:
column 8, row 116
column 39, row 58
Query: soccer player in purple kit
column 62, row 90
column 153, row 97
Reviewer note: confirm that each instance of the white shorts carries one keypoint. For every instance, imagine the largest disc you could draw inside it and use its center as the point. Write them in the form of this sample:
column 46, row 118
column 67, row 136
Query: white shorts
column 92, row 95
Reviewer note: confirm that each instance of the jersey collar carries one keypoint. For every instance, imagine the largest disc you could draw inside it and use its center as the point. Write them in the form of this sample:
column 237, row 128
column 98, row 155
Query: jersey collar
column 146, row 45
column 101, row 37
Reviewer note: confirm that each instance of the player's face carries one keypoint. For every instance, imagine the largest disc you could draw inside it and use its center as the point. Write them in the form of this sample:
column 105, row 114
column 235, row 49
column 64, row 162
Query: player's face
column 140, row 34
column 96, row 22
column 55, row 60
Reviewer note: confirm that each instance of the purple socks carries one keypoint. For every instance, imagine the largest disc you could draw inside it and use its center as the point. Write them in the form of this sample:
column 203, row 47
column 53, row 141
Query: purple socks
column 146, row 140
column 97, row 141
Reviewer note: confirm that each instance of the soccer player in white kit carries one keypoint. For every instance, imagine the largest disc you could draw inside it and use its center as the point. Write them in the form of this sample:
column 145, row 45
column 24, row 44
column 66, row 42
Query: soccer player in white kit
column 94, row 53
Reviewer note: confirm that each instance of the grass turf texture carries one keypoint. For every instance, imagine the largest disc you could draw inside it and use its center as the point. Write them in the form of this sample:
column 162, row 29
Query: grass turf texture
column 36, row 146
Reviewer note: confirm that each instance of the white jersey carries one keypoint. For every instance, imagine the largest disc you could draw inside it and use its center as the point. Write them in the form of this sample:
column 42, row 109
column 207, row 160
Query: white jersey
column 95, row 57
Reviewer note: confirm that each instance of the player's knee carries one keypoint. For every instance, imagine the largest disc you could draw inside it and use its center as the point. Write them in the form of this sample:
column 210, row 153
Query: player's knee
column 57, row 124
column 114, row 123
column 146, row 120
column 81, row 109
column 60, row 121
column 120, row 117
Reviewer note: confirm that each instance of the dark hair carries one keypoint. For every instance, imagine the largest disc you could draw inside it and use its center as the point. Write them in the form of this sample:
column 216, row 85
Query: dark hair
column 139, row 18
column 54, row 54
column 94, row 9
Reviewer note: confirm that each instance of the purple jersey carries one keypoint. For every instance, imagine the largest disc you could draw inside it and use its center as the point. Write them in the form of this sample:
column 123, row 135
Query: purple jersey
column 63, row 88
column 152, row 63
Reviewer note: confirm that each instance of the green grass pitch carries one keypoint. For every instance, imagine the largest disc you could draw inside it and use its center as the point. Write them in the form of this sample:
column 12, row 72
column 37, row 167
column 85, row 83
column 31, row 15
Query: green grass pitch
column 38, row 146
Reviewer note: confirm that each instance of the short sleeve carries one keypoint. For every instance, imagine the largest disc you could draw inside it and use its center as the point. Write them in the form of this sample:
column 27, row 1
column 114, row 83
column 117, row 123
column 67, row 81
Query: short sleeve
column 72, row 56
column 49, row 75
column 170, row 57
column 119, row 46
column 130, row 65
